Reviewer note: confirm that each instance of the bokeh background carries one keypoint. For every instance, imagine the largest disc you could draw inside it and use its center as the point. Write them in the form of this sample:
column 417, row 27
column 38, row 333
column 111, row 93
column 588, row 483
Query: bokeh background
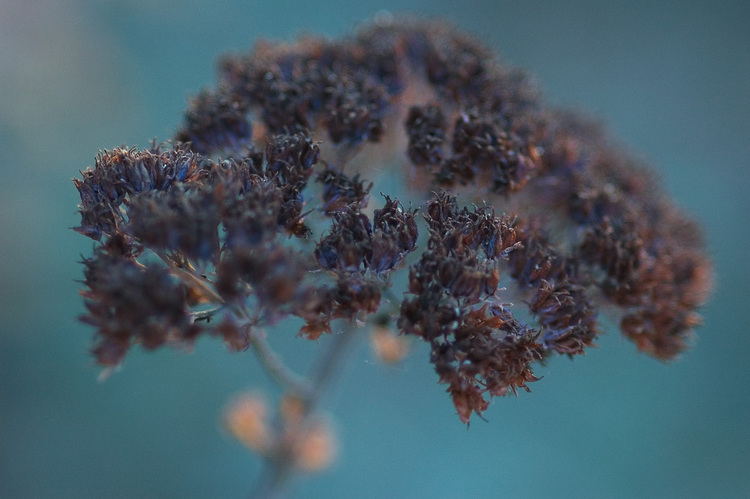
column 671, row 80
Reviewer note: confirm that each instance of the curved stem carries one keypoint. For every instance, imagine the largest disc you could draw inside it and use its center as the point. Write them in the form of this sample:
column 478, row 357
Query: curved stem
column 275, row 367
column 280, row 467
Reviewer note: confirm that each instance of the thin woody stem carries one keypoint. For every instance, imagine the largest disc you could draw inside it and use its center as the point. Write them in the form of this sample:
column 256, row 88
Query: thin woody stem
column 205, row 315
column 328, row 365
column 270, row 360
column 281, row 466
column 287, row 379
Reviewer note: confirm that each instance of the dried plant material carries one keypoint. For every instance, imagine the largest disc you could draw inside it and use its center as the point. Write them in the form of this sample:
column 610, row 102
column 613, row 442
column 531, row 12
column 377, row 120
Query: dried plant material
column 315, row 446
column 246, row 418
column 387, row 345
column 223, row 232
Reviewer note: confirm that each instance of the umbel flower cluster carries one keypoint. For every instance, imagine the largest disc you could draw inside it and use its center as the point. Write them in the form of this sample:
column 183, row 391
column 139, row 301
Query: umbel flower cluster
column 498, row 229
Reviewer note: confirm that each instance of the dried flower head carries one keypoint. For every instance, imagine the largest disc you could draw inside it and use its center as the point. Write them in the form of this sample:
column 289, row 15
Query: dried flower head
column 502, row 200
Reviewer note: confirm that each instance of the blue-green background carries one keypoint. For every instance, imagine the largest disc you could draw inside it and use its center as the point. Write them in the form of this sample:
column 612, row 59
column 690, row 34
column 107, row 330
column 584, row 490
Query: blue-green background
column 671, row 79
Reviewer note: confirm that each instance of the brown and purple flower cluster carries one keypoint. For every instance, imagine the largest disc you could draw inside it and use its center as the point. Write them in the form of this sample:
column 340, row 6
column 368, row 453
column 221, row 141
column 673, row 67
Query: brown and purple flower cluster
column 261, row 210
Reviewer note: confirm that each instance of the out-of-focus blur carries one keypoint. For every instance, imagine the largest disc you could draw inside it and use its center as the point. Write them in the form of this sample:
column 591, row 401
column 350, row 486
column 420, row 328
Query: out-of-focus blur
column 670, row 79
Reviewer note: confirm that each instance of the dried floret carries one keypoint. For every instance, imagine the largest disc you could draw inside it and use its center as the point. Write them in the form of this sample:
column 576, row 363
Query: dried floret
column 223, row 232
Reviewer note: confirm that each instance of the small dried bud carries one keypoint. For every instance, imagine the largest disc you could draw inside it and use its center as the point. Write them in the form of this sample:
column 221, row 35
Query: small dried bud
column 246, row 418
column 425, row 127
column 314, row 445
column 339, row 191
column 389, row 347
column 215, row 122
column 394, row 235
column 348, row 247
column 467, row 398
column 177, row 220
column 129, row 303
column 292, row 410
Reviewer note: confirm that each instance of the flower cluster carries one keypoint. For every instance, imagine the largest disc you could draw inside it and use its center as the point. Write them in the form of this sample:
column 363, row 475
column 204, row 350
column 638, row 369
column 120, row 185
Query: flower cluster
column 223, row 232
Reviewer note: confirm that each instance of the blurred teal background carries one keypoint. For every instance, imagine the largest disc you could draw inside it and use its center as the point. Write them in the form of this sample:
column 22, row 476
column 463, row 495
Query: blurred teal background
column 671, row 79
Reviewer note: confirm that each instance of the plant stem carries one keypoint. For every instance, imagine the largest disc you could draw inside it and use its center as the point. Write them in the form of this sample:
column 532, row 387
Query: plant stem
column 280, row 468
column 275, row 367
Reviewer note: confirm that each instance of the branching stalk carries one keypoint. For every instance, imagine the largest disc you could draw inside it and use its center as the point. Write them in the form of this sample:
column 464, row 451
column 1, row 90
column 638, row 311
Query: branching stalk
column 280, row 467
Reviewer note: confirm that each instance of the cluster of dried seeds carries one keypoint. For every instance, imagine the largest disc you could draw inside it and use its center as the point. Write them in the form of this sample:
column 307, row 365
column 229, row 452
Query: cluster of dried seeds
column 222, row 232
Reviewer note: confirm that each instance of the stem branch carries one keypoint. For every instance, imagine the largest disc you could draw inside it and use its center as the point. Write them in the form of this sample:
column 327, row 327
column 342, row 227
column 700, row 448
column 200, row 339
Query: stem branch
column 281, row 466
column 287, row 379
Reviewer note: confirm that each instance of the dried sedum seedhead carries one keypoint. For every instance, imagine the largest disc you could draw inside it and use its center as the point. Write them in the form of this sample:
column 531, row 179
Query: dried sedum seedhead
column 261, row 210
